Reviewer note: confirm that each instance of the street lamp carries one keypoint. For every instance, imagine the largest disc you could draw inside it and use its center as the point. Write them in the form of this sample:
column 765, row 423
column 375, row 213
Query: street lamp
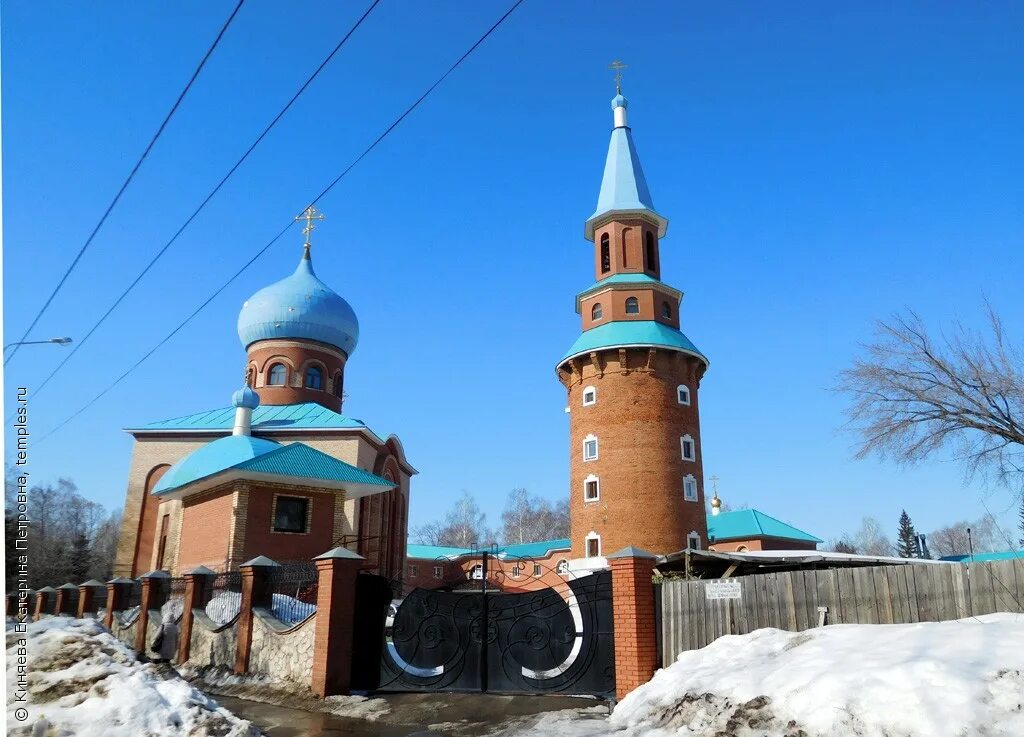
column 59, row 341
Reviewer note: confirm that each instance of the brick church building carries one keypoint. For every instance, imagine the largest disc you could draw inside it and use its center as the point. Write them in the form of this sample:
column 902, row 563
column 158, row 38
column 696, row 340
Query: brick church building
column 281, row 472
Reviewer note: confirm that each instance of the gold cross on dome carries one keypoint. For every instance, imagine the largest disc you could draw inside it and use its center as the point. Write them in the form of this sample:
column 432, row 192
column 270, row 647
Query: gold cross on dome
column 309, row 215
column 714, row 484
column 618, row 66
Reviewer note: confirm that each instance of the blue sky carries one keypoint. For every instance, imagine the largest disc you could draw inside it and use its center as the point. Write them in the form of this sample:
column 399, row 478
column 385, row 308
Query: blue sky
column 821, row 166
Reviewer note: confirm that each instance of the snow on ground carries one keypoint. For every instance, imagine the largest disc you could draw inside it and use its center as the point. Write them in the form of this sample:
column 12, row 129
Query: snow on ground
column 945, row 679
column 82, row 681
column 224, row 607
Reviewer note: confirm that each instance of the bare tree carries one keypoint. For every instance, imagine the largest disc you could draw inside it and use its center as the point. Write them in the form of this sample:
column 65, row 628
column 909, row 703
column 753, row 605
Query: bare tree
column 913, row 395
column 529, row 518
column 463, row 527
column 985, row 537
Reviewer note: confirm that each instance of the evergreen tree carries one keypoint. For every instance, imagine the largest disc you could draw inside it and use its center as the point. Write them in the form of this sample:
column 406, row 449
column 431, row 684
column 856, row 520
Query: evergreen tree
column 906, row 538
column 81, row 559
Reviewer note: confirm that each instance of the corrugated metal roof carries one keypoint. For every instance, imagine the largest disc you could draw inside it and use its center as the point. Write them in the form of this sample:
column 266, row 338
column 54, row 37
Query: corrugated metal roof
column 748, row 523
column 537, row 549
column 632, row 333
column 982, row 557
column 265, row 418
column 300, row 460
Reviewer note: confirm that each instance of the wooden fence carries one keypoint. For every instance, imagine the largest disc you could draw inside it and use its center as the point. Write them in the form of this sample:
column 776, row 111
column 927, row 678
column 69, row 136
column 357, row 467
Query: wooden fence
column 876, row 595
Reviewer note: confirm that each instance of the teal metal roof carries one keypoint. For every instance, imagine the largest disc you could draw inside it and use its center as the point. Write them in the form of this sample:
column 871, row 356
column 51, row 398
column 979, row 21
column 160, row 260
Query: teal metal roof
column 982, row 557
column 524, row 550
column 434, row 552
column 213, row 458
column 625, row 333
column 299, row 306
column 749, row 523
column 265, row 418
column 536, row 550
column 623, row 186
column 296, row 460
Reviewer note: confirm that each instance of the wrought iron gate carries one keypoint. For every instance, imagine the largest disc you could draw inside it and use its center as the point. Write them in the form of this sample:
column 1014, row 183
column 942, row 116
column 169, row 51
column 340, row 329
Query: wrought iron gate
column 555, row 640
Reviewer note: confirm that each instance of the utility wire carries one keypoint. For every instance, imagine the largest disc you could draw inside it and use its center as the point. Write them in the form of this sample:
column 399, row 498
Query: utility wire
column 131, row 176
column 202, row 205
column 277, row 237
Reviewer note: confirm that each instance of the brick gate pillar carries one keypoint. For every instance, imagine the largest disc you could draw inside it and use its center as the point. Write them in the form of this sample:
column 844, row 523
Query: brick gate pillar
column 90, row 594
column 198, row 590
column 44, row 601
column 256, row 592
column 66, row 599
column 154, row 592
column 335, row 615
column 117, row 599
column 636, row 656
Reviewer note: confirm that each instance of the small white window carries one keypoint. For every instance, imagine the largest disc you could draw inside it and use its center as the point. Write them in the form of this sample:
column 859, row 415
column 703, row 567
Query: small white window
column 591, row 488
column 683, row 394
column 536, row 569
column 517, row 571
column 589, row 396
column 414, row 571
column 563, row 567
column 690, row 488
column 688, row 447
column 593, row 545
column 438, row 572
column 590, row 448
column 477, row 572
column 693, row 541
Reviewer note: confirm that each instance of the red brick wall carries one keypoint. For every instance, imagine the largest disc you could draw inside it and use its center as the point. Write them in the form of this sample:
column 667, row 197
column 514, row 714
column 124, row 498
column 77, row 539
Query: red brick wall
column 638, row 422
column 636, row 656
column 148, row 520
column 205, row 530
column 260, row 539
column 500, row 572
column 762, row 543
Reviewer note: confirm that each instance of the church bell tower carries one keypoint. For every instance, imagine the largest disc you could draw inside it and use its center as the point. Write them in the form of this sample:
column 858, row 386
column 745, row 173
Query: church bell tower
column 632, row 379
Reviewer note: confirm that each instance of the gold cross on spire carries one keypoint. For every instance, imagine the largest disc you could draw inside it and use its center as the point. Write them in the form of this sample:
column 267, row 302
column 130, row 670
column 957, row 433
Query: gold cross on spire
column 309, row 215
column 714, row 484
column 618, row 66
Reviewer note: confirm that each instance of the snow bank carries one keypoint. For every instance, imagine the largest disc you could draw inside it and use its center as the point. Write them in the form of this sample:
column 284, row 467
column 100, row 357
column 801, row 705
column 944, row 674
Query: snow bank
column 82, row 681
column 224, row 607
column 945, row 679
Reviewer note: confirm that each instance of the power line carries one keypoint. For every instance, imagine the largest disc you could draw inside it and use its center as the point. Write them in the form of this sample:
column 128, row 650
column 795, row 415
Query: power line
column 202, row 205
column 277, row 237
column 131, row 176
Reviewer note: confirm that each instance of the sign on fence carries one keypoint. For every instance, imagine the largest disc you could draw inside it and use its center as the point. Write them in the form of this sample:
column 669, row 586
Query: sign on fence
column 722, row 590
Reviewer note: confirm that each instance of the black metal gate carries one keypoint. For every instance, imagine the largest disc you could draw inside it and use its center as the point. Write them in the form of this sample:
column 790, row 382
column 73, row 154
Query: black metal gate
column 555, row 640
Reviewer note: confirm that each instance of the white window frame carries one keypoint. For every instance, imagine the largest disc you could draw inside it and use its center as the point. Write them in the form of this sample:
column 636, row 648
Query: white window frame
column 537, row 570
column 517, row 570
column 679, row 394
column 438, row 571
column 694, row 536
column 476, row 573
column 593, row 401
column 690, row 481
column 562, row 567
column 597, row 482
column 588, row 439
column 414, row 571
column 693, row 447
column 586, row 544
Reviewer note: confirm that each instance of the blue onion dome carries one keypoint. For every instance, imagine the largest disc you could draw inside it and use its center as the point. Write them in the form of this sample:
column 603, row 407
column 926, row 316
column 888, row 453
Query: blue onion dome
column 619, row 101
column 245, row 397
column 212, row 458
column 299, row 306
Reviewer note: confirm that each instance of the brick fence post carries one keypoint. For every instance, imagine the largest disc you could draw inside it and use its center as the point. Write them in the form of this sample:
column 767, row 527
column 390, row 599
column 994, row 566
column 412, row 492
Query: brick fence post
column 335, row 614
column 117, row 598
column 44, row 601
column 154, row 592
column 636, row 656
column 255, row 593
column 90, row 594
column 198, row 589
column 66, row 599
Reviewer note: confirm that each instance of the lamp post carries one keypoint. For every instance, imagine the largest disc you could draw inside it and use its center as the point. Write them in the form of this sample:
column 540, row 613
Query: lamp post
column 59, row 341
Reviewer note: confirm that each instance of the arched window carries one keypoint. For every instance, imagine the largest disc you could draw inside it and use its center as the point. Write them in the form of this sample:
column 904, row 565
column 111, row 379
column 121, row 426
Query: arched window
column 250, row 377
column 632, row 306
column 337, row 384
column 314, row 378
column 589, row 396
column 649, row 247
column 278, row 375
column 693, row 541
column 666, row 310
column 606, row 255
column 683, row 394
column 741, row 549
column 625, row 250
column 563, row 566
column 596, row 313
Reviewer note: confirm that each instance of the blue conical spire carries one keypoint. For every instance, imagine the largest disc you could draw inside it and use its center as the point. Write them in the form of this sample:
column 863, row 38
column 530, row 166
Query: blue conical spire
column 623, row 188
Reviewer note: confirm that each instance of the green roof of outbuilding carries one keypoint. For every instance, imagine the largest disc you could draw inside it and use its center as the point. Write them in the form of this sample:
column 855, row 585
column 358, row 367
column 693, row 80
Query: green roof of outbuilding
column 744, row 524
column 631, row 333
column 982, row 557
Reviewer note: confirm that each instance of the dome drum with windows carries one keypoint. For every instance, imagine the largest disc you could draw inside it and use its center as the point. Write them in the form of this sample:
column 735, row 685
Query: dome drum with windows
column 298, row 333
